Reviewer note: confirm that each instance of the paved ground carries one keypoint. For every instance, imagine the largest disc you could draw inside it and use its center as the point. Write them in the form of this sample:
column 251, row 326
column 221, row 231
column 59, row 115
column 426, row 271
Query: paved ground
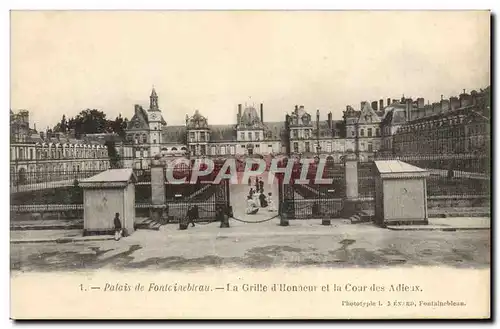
column 265, row 245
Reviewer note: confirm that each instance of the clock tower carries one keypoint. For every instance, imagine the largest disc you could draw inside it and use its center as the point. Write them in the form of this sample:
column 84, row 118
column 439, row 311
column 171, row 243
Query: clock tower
column 155, row 123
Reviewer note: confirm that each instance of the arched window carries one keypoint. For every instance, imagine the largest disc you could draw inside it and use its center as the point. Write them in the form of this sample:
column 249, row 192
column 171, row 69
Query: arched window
column 144, row 138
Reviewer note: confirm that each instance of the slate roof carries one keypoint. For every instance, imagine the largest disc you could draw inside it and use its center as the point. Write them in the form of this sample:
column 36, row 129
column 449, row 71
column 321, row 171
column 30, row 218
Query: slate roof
column 174, row 135
column 222, row 133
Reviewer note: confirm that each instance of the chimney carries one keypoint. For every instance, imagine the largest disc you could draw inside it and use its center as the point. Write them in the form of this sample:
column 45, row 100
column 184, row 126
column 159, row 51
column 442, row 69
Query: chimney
column 436, row 108
column 427, row 110
column 420, row 102
column 474, row 97
column 381, row 104
column 409, row 106
column 137, row 108
column 262, row 112
column 375, row 105
column 330, row 123
column 465, row 100
column 445, row 105
column 388, row 101
column 296, row 109
column 454, row 103
column 239, row 113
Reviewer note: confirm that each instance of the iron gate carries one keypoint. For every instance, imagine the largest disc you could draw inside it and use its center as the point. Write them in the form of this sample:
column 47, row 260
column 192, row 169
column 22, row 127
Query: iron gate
column 206, row 197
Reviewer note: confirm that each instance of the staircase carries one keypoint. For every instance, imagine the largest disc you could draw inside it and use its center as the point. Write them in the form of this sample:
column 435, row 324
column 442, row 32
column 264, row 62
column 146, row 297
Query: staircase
column 362, row 216
column 149, row 224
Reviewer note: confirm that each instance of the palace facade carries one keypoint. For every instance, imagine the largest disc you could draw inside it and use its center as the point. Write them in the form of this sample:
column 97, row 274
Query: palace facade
column 37, row 157
column 376, row 128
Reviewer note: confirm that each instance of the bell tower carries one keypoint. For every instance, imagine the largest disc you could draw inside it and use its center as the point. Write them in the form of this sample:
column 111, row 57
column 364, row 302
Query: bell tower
column 153, row 100
column 155, row 124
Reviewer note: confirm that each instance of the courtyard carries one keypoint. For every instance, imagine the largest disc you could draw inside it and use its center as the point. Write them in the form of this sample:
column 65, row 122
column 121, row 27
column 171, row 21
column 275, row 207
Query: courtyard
column 264, row 245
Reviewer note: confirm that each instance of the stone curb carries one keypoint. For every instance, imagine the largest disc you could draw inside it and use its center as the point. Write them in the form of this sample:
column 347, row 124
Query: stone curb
column 436, row 228
column 61, row 240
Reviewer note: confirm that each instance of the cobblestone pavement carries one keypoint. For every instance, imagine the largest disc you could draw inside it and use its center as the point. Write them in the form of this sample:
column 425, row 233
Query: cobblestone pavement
column 304, row 243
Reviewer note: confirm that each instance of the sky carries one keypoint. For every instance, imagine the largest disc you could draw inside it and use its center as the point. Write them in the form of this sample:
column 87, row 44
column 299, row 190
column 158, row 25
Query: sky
column 63, row 62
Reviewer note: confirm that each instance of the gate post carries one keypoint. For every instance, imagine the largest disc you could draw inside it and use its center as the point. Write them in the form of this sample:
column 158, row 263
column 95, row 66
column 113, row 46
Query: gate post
column 282, row 206
column 351, row 185
column 157, row 190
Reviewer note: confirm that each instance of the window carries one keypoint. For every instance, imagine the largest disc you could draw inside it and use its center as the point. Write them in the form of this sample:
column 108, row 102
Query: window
column 193, row 150
column 144, row 138
column 213, row 150
column 307, row 133
column 377, row 132
column 362, row 132
column 308, row 147
column 31, row 154
column 257, row 135
column 249, row 135
column 191, row 136
column 352, row 133
column 369, row 132
column 222, row 150
column 137, row 154
column 295, row 134
column 296, row 147
column 232, row 150
column 154, row 141
column 203, row 149
column 242, row 136
column 370, row 147
column 202, row 136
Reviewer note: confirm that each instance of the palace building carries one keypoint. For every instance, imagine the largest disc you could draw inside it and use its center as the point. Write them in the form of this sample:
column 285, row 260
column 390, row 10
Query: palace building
column 373, row 129
column 37, row 157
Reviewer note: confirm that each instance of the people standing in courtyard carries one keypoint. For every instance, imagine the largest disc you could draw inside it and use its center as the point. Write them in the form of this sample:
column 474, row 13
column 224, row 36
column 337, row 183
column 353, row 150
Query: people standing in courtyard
column 261, row 185
column 251, row 206
column 249, row 181
column 192, row 215
column 263, row 201
column 256, row 199
column 118, row 227
column 271, row 206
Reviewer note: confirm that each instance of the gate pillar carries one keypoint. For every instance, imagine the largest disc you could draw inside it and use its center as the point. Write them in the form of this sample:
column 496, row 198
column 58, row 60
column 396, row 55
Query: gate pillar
column 158, row 205
column 351, row 185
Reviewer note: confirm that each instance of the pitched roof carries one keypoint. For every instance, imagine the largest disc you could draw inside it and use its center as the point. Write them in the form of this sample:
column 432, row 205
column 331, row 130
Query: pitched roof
column 368, row 115
column 174, row 134
column 396, row 167
column 222, row 133
column 112, row 175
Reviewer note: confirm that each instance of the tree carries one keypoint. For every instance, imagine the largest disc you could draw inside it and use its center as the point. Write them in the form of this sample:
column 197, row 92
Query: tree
column 92, row 122
column 114, row 157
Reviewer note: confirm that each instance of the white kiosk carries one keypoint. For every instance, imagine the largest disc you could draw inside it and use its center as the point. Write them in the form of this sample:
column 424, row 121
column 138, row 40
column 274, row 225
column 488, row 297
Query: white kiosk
column 104, row 195
column 400, row 193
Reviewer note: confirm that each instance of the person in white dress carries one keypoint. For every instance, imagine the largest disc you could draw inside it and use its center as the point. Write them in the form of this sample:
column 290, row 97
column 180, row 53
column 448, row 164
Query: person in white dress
column 251, row 206
column 270, row 202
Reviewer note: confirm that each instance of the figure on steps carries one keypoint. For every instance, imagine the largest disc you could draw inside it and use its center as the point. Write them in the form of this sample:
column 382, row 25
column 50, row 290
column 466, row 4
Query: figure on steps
column 251, row 206
column 271, row 206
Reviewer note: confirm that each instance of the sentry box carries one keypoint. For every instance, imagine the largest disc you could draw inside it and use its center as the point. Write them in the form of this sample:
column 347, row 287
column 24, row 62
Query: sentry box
column 400, row 193
column 104, row 195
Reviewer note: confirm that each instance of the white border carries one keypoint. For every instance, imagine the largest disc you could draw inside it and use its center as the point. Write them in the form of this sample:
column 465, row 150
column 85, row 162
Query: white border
column 184, row 5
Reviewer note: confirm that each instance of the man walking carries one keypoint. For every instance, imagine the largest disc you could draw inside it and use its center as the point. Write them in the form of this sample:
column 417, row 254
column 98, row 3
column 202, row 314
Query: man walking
column 118, row 227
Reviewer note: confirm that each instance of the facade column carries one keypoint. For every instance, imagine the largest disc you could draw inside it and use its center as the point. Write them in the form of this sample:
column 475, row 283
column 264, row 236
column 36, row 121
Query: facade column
column 351, row 200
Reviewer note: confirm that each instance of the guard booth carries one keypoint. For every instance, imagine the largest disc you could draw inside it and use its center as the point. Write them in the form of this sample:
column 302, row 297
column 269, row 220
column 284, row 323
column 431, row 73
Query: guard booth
column 104, row 195
column 400, row 194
